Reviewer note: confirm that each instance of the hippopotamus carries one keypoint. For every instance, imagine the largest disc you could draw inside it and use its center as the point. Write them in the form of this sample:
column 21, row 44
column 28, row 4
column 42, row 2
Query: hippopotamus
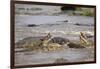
column 59, row 40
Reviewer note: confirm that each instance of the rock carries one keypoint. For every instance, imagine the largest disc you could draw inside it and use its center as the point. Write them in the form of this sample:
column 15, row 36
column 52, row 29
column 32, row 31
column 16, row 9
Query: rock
column 81, row 24
column 65, row 21
column 32, row 25
column 74, row 45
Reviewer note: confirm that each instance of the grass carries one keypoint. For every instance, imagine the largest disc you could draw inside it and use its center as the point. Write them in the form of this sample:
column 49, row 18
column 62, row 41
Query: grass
column 87, row 13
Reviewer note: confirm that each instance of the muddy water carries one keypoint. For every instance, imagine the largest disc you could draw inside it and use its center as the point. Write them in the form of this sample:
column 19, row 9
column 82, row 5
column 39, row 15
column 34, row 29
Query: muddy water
column 53, row 24
column 57, row 25
column 71, row 55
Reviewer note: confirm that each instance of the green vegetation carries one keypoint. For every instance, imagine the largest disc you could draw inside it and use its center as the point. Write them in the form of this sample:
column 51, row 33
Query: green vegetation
column 71, row 10
column 64, row 8
column 87, row 13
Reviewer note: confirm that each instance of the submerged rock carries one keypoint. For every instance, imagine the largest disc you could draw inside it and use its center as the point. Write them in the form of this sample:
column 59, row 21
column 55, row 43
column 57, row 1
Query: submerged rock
column 65, row 21
column 80, row 24
column 32, row 25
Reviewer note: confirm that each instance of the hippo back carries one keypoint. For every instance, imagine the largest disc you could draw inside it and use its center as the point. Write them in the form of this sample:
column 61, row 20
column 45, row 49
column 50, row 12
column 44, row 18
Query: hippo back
column 59, row 40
